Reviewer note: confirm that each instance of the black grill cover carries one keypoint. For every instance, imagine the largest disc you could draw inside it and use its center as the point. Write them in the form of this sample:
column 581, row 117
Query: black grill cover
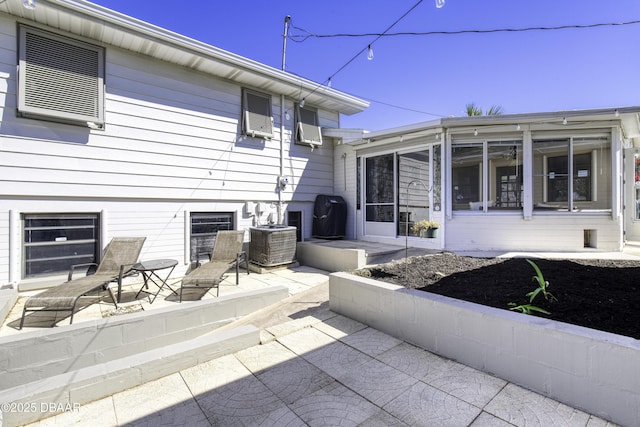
column 329, row 217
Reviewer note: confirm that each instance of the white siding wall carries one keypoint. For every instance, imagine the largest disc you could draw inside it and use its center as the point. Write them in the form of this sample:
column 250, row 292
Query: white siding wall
column 171, row 145
column 485, row 232
column 345, row 173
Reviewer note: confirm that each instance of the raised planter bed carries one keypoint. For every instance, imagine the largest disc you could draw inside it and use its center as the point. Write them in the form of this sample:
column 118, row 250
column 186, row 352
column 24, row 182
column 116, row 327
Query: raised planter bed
column 594, row 371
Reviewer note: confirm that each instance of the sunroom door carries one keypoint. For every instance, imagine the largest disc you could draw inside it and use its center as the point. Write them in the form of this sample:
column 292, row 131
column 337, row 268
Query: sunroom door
column 379, row 195
column 632, row 195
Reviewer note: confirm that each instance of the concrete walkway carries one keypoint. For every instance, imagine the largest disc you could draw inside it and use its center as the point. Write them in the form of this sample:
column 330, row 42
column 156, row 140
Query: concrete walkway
column 333, row 371
column 318, row 368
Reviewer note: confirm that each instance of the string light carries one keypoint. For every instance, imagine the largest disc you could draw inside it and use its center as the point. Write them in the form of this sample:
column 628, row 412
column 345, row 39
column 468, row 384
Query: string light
column 29, row 4
column 439, row 5
column 370, row 53
column 564, row 120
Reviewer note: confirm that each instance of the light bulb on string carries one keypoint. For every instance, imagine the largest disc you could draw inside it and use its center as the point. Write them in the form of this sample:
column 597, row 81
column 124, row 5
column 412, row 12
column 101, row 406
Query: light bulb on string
column 302, row 103
column 29, row 4
column 369, row 53
column 439, row 4
column 329, row 82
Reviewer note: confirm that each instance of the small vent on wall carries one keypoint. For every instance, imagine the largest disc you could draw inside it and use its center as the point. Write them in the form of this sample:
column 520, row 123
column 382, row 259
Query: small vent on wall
column 590, row 240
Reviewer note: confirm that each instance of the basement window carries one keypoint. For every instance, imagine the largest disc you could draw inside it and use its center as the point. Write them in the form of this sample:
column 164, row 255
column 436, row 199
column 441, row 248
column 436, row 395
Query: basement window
column 204, row 228
column 52, row 243
column 60, row 79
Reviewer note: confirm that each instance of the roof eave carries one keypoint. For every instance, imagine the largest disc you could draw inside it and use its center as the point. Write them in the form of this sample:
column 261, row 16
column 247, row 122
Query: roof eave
column 161, row 43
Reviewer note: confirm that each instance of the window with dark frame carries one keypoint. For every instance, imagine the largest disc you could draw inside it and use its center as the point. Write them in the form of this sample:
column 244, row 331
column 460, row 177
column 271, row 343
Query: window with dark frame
column 52, row 243
column 379, row 188
column 204, row 228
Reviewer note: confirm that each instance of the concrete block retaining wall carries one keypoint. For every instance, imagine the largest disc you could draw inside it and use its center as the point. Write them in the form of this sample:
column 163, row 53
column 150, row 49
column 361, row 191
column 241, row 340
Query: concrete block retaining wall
column 8, row 298
column 330, row 258
column 35, row 355
column 595, row 371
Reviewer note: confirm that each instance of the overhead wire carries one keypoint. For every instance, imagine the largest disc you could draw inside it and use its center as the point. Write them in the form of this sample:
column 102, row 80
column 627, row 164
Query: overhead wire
column 402, row 108
column 302, row 38
column 378, row 36
column 299, row 38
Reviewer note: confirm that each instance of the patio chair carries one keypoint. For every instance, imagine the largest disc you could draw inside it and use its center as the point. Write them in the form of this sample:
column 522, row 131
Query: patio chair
column 227, row 252
column 119, row 256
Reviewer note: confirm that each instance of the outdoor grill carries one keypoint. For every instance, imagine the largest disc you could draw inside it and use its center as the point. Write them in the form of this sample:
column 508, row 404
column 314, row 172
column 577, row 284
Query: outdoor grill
column 272, row 245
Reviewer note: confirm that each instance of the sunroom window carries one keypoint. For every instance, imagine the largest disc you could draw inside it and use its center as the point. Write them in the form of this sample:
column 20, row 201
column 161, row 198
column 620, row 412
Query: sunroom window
column 413, row 191
column 572, row 174
column 487, row 175
column 60, row 79
column 505, row 173
column 52, row 243
column 466, row 176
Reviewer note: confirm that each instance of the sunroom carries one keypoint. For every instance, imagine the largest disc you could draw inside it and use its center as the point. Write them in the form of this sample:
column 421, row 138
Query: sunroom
column 537, row 182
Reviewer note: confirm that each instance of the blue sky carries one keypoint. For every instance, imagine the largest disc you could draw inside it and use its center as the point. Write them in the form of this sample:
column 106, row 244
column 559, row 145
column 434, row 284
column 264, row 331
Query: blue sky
column 437, row 74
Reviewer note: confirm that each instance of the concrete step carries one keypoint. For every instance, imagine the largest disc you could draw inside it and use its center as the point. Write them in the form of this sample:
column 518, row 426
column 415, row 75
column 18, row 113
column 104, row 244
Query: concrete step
column 85, row 385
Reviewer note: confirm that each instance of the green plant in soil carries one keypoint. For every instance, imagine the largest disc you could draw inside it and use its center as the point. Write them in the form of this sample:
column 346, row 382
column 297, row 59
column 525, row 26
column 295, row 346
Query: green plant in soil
column 526, row 308
column 542, row 288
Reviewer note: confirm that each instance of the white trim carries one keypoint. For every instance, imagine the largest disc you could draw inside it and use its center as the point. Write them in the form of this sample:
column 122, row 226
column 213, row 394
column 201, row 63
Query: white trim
column 187, row 237
column 527, row 171
column 14, row 246
column 104, row 230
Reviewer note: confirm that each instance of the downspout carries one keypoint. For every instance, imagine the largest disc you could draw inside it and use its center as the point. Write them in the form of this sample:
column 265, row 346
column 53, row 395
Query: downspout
column 280, row 219
column 279, row 187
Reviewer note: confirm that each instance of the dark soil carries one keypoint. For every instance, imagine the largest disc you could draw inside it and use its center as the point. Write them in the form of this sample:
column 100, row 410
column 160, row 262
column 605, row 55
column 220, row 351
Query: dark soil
column 598, row 294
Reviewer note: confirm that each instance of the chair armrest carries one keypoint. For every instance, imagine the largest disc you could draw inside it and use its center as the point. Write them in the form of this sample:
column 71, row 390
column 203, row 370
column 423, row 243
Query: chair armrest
column 74, row 266
column 200, row 256
column 125, row 270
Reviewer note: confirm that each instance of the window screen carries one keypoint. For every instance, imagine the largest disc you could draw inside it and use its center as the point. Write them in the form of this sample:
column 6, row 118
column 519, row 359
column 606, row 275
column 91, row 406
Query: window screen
column 257, row 114
column 60, row 78
column 307, row 128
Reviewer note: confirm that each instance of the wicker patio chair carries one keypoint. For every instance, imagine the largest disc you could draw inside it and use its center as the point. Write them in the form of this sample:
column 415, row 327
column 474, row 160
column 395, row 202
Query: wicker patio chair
column 119, row 256
column 227, row 252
